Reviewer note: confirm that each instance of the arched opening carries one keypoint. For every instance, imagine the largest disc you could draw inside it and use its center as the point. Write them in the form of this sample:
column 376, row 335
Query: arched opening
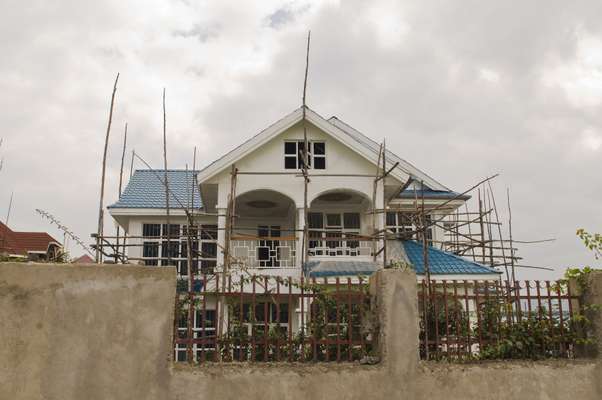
column 264, row 229
column 340, row 224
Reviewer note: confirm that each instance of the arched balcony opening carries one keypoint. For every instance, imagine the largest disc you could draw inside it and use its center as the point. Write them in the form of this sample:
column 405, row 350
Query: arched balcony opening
column 340, row 225
column 264, row 231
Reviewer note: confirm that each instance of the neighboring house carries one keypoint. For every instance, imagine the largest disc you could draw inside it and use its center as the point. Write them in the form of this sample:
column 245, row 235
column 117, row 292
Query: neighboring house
column 85, row 259
column 33, row 246
column 269, row 204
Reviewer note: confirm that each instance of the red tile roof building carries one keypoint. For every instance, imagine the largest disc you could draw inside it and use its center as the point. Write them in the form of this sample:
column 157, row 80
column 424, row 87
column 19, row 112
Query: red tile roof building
column 85, row 259
column 32, row 245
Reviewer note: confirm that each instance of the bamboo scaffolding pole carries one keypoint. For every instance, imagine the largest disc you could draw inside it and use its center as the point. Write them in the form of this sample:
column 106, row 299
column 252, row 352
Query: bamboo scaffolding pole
column 125, row 138
column 190, row 316
column 305, row 245
column 512, row 265
column 132, row 163
column 499, row 231
column 100, row 229
column 384, row 168
column 488, row 223
column 374, row 188
column 481, row 224
column 167, row 211
column 226, row 250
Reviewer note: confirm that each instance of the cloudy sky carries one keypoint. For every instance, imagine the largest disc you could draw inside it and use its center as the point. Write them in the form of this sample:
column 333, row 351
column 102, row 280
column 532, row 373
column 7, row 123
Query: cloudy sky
column 461, row 89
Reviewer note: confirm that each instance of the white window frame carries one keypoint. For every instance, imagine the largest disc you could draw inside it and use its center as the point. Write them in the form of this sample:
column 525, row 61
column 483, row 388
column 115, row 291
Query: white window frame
column 401, row 226
column 181, row 259
column 310, row 153
column 319, row 247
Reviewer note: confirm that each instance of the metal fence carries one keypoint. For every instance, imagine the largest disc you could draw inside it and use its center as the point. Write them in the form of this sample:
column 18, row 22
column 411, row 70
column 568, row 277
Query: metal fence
column 498, row 320
column 271, row 318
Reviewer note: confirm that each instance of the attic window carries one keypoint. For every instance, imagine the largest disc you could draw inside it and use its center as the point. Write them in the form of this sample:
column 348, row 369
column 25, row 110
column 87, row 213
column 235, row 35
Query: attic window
column 293, row 154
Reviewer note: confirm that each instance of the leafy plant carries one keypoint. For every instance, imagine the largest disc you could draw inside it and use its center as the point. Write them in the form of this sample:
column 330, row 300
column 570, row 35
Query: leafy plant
column 593, row 241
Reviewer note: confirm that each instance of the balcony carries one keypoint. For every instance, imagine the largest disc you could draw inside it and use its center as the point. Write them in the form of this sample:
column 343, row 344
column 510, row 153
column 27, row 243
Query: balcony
column 268, row 252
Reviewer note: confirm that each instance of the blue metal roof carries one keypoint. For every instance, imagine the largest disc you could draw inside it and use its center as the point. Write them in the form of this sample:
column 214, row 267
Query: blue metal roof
column 322, row 269
column 147, row 190
column 431, row 194
column 442, row 262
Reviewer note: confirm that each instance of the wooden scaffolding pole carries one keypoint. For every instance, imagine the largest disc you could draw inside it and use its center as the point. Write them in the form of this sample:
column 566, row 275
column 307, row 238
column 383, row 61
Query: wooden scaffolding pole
column 227, row 257
column 166, row 183
column 100, row 229
column 305, row 245
column 373, row 210
column 384, row 169
column 482, row 225
column 125, row 139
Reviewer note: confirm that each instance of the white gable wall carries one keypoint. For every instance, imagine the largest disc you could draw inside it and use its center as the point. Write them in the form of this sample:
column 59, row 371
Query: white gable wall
column 270, row 158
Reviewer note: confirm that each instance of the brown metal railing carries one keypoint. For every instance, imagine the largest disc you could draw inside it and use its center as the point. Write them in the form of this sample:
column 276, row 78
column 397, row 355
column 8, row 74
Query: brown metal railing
column 498, row 320
column 271, row 318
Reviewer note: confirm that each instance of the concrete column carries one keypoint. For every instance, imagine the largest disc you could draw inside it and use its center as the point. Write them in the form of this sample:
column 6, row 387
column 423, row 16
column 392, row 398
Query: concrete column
column 221, row 235
column 396, row 297
column 592, row 296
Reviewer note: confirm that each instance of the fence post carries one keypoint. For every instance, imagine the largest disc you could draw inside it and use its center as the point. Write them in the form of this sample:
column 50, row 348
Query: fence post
column 396, row 298
column 591, row 295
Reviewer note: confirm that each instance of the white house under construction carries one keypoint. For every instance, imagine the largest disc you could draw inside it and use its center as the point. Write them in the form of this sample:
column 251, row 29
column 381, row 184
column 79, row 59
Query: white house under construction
column 343, row 190
column 268, row 208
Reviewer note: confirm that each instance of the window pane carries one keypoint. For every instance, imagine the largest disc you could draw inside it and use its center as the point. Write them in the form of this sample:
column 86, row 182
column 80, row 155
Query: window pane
column 290, row 162
column 263, row 231
column 333, row 219
column 174, row 230
column 209, row 232
column 319, row 148
column 391, row 219
column 332, row 243
column 150, row 249
column 319, row 163
column 172, row 252
column 151, row 230
column 404, row 220
column 290, row 148
column 275, row 231
column 208, row 250
column 207, row 266
column 315, row 220
column 193, row 230
column 351, row 220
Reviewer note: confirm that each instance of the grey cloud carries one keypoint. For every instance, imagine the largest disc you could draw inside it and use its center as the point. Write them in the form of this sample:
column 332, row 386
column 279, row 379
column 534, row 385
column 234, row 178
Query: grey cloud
column 201, row 32
column 286, row 15
column 426, row 94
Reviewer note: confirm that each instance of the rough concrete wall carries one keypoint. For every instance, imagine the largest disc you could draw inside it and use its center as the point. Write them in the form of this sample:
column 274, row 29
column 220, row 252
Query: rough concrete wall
column 105, row 333
column 399, row 375
column 511, row 380
column 85, row 332
column 396, row 297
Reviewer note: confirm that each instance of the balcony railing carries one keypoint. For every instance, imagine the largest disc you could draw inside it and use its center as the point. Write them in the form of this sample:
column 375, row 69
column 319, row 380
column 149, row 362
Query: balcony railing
column 339, row 244
column 268, row 252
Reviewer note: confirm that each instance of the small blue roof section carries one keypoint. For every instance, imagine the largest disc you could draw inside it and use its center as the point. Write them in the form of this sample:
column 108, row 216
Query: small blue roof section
column 442, row 262
column 431, row 194
column 147, row 190
column 324, row 269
